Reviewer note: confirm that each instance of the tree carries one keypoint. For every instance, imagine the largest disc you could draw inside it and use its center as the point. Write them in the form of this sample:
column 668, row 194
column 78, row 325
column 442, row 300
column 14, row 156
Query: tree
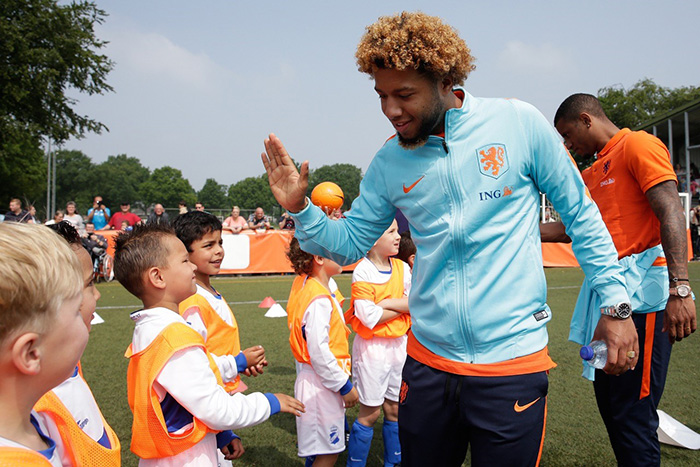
column 45, row 49
column 75, row 179
column 22, row 169
column 167, row 186
column 119, row 179
column 629, row 108
column 213, row 195
column 252, row 192
column 347, row 176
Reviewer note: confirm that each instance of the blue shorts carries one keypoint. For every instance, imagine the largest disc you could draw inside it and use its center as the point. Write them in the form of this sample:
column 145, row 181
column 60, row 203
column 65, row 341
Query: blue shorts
column 441, row 414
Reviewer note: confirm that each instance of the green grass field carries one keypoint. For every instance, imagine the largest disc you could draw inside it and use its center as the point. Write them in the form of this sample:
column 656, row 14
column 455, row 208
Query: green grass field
column 575, row 433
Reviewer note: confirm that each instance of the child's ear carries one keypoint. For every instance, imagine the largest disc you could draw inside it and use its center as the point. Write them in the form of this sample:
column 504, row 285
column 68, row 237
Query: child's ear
column 411, row 259
column 318, row 260
column 155, row 276
column 26, row 353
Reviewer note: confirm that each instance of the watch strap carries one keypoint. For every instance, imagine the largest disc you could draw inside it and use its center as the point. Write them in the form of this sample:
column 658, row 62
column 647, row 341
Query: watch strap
column 679, row 279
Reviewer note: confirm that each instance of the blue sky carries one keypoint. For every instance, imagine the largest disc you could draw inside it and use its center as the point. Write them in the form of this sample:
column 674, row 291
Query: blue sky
column 198, row 85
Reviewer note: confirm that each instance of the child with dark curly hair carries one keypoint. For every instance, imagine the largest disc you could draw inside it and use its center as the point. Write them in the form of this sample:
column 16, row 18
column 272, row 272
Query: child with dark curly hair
column 318, row 337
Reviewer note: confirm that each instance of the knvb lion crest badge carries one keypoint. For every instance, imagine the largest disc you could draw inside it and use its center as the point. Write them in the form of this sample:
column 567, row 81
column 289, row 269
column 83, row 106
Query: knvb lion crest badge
column 493, row 160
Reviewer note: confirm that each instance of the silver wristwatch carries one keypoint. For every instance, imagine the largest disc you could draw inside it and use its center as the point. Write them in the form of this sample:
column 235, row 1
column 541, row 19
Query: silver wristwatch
column 682, row 290
column 622, row 310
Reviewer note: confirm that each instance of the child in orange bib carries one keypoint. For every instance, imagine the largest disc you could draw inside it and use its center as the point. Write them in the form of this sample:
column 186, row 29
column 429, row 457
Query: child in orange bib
column 379, row 315
column 207, row 312
column 319, row 341
column 70, row 410
column 182, row 412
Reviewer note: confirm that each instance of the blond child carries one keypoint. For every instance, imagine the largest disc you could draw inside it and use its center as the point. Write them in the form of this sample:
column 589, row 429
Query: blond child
column 70, row 410
column 319, row 341
column 42, row 335
column 379, row 315
column 174, row 386
column 207, row 312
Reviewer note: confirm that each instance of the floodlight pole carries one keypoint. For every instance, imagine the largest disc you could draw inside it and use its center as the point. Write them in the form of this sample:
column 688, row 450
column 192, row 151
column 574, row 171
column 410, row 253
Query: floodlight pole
column 49, row 211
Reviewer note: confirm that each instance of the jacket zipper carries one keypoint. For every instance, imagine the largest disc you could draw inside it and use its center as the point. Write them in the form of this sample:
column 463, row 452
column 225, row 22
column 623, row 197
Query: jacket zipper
column 460, row 264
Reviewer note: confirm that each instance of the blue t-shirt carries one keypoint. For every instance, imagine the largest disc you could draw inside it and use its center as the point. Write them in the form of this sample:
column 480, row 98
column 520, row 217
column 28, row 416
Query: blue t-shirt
column 99, row 217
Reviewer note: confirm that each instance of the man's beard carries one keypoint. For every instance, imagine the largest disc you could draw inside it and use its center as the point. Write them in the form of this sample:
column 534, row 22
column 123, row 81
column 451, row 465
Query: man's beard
column 429, row 122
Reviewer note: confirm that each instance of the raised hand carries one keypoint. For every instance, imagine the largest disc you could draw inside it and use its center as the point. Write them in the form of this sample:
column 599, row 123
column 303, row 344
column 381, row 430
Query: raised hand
column 287, row 184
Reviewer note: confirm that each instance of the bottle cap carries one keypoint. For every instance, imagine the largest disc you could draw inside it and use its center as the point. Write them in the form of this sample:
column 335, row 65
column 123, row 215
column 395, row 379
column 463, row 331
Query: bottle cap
column 587, row 352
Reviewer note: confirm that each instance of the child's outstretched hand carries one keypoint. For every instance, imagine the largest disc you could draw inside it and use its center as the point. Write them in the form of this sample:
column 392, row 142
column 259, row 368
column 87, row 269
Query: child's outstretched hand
column 289, row 404
column 255, row 370
column 233, row 450
column 254, row 355
column 351, row 398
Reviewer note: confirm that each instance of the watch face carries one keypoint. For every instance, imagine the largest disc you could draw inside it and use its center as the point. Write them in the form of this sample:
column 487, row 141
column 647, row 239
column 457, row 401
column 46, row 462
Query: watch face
column 624, row 310
column 683, row 291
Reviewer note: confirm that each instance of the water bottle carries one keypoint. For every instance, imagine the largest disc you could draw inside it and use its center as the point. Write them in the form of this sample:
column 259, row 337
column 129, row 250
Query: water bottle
column 596, row 354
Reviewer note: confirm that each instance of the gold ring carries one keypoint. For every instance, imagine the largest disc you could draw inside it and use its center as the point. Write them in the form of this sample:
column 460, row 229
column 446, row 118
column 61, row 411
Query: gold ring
column 631, row 354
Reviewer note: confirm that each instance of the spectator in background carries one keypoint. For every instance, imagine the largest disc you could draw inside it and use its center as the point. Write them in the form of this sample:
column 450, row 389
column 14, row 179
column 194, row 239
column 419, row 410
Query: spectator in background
column 182, row 206
column 548, row 217
column 695, row 231
column 199, row 206
column 16, row 213
column 258, row 220
column 285, row 221
column 234, row 223
column 94, row 243
column 74, row 218
column 57, row 217
column 32, row 214
column 680, row 175
column 98, row 214
column 124, row 214
column 158, row 216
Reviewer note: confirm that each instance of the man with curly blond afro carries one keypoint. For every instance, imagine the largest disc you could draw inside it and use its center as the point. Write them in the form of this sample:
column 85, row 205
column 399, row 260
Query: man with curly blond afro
column 467, row 174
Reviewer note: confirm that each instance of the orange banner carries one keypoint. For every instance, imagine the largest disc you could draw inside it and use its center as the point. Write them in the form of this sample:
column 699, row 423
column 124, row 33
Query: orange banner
column 266, row 252
column 560, row 255
column 250, row 252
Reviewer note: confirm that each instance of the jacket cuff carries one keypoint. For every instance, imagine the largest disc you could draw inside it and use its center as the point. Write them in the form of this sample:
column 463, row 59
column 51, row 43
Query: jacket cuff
column 611, row 294
column 347, row 387
column 241, row 362
column 275, row 406
column 223, row 438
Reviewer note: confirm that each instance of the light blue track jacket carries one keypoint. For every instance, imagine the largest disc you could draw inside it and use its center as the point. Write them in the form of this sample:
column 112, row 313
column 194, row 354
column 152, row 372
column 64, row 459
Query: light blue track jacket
column 472, row 201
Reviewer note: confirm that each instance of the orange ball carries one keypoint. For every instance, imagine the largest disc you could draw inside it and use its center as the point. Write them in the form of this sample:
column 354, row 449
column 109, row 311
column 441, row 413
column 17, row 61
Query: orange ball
column 327, row 196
